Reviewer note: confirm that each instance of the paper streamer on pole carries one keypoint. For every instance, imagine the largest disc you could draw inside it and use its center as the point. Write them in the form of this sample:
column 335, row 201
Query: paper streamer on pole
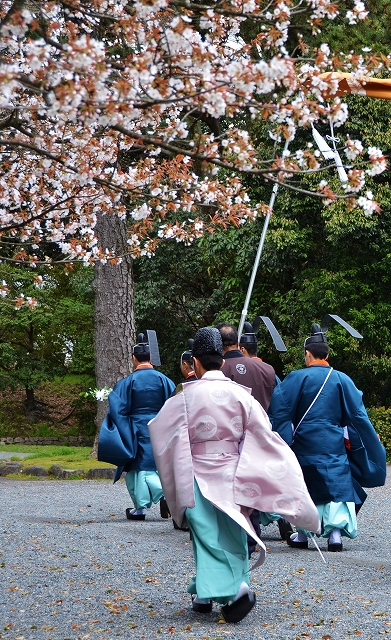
column 330, row 154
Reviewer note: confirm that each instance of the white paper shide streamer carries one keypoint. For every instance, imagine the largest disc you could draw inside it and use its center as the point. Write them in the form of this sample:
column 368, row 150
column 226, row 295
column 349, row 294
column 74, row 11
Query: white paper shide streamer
column 330, row 154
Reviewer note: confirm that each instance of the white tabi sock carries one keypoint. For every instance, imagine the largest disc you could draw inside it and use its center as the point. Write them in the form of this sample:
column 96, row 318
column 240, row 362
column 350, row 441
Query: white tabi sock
column 301, row 537
column 335, row 536
column 201, row 600
column 243, row 590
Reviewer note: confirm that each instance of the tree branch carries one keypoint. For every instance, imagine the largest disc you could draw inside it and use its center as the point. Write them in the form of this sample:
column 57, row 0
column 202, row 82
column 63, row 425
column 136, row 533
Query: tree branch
column 16, row 6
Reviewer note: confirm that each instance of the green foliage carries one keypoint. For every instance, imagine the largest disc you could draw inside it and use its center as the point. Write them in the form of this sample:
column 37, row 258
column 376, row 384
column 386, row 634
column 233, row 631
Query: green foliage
column 316, row 260
column 374, row 32
column 37, row 344
column 381, row 420
column 65, row 413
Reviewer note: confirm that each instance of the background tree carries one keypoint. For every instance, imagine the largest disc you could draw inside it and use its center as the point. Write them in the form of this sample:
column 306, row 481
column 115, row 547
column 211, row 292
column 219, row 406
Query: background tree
column 316, row 260
column 139, row 112
column 45, row 334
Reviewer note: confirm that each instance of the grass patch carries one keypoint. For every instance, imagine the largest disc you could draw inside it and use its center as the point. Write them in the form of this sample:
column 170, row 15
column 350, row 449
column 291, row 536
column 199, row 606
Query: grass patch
column 66, row 457
column 45, row 450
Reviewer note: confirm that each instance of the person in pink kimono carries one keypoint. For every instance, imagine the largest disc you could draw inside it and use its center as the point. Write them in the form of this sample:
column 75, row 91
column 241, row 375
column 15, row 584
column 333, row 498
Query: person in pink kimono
column 218, row 459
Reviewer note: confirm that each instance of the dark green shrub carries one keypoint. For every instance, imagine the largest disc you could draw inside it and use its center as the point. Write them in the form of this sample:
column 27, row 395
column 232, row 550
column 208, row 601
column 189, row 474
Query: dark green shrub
column 381, row 420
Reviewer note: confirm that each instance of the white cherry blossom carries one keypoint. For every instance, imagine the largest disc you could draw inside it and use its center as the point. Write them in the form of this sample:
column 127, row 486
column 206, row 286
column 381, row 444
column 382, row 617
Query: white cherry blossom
column 136, row 109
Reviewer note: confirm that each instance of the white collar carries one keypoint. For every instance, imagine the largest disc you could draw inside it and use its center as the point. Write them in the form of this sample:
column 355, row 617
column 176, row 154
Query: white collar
column 214, row 375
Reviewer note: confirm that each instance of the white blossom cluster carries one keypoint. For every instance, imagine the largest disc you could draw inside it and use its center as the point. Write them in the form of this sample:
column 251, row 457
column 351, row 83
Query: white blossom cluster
column 368, row 204
column 353, row 149
column 379, row 163
column 98, row 394
column 358, row 13
column 135, row 109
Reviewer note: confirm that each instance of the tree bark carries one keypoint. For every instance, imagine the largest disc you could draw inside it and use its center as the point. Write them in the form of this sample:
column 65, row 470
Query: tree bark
column 113, row 312
column 30, row 405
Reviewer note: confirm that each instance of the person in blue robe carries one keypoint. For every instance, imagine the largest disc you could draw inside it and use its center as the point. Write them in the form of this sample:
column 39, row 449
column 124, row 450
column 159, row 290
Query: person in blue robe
column 124, row 436
column 312, row 409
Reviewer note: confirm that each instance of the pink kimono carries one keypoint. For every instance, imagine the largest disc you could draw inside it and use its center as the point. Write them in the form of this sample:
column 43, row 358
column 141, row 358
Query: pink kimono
column 216, row 432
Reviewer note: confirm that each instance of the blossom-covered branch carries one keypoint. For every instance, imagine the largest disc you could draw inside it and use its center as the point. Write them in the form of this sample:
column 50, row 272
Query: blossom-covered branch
column 151, row 111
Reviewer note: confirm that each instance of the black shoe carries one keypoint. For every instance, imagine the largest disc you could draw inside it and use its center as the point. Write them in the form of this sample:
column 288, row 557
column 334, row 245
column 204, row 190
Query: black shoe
column 294, row 543
column 201, row 607
column 284, row 527
column 134, row 516
column 179, row 528
column 164, row 510
column 236, row 611
column 334, row 546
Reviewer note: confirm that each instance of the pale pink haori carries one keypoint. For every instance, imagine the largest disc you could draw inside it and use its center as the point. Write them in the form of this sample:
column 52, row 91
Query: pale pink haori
column 216, row 432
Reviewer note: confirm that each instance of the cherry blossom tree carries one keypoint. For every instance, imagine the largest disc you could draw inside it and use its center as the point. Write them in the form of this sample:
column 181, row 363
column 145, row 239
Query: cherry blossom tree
column 124, row 123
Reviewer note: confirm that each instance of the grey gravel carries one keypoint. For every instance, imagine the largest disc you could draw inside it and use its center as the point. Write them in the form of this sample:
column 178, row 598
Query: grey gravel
column 73, row 567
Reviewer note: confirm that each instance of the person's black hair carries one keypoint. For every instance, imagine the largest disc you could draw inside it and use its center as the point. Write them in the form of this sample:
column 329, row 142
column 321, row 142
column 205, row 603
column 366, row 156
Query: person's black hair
column 251, row 347
column 143, row 357
column 318, row 349
column 229, row 334
column 187, row 357
column 211, row 361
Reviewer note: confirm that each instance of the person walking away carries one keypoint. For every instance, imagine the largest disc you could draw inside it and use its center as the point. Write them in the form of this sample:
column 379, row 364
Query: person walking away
column 134, row 401
column 310, row 409
column 217, row 459
column 248, row 345
column 252, row 372
column 187, row 367
column 259, row 376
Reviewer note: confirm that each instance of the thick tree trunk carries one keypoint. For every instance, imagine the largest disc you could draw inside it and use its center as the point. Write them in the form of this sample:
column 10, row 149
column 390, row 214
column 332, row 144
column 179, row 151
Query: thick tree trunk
column 30, row 405
column 113, row 312
column 30, row 402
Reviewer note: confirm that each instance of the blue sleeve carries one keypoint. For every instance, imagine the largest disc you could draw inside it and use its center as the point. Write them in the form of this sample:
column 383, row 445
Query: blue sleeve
column 169, row 387
column 117, row 443
column 368, row 458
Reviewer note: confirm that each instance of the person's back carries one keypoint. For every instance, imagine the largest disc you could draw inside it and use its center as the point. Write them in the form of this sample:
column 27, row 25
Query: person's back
column 259, row 376
column 134, row 401
column 310, row 409
column 147, row 392
column 255, row 374
column 218, row 459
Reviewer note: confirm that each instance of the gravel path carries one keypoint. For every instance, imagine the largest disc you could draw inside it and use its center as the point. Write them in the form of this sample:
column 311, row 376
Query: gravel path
column 72, row 567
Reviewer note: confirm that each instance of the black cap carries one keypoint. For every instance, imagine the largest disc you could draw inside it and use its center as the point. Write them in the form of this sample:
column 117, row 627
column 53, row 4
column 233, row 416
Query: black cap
column 316, row 336
column 187, row 356
column 207, row 341
column 248, row 337
column 142, row 345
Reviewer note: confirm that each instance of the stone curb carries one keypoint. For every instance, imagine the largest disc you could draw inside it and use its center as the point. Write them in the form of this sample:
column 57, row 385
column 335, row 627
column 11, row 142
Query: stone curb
column 10, row 467
column 57, row 471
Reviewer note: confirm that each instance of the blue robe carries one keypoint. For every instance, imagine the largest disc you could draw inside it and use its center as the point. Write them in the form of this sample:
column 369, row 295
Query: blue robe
column 124, row 436
column 319, row 441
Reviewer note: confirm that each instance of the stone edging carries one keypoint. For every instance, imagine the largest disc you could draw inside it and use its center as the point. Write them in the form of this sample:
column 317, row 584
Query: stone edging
column 57, row 472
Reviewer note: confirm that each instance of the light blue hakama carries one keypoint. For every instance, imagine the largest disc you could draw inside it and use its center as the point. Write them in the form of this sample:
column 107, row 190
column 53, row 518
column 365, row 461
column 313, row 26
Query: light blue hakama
column 220, row 551
column 267, row 518
column 144, row 488
column 337, row 515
